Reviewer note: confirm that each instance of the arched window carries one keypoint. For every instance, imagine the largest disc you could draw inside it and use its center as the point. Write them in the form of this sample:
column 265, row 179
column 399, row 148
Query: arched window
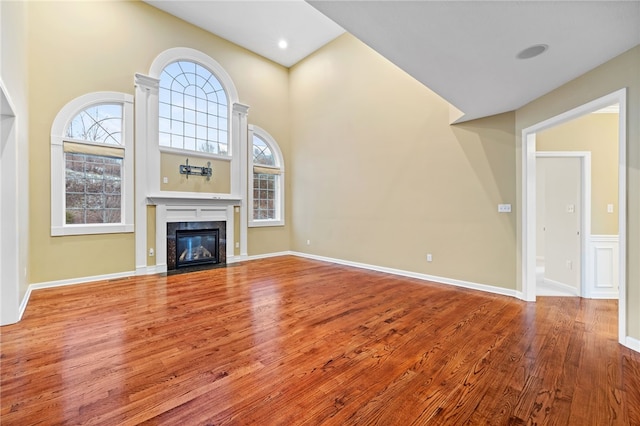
column 193, row 109
column 92, row 165
column 266, row 180
column 227, row 126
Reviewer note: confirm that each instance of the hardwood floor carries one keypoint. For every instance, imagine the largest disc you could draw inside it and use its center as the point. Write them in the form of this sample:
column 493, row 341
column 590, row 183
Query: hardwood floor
column 288, row 341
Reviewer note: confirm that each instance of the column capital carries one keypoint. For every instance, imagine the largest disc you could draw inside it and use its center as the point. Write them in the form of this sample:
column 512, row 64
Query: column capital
column 241, row 108
column 146, row 82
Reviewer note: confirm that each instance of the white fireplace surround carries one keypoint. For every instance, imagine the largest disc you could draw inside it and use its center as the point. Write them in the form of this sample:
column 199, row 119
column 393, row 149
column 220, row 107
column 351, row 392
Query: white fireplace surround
column 191, row 207
column 184, row 206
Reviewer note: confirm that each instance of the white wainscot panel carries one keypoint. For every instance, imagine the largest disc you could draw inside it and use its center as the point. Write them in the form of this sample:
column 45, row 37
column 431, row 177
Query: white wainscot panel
column 604, row 264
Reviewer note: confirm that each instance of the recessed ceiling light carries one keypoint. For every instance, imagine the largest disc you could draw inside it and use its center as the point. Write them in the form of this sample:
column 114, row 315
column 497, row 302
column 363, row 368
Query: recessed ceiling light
column 533, row 51
column 282, row 44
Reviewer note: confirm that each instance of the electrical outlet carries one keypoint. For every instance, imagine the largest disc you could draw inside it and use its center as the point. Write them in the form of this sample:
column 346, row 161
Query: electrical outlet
column 429, row 257
column 308, row 242
column 609, row 208
column 237, row 245
column 571, row 208
column 165, row 180
column 151, row 252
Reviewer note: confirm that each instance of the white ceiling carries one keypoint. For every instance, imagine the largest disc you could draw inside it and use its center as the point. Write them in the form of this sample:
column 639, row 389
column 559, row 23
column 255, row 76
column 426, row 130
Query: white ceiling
column 259, row 25
column 463, row 50
column 466, row 51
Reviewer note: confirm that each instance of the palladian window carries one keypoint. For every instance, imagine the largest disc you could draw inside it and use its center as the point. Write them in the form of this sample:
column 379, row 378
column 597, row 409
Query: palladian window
column 193, row 110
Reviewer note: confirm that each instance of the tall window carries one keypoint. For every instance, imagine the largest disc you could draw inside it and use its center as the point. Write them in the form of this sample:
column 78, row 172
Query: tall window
column 193, row 110
column 91, row 167
column 93, row 173
column 266, row 179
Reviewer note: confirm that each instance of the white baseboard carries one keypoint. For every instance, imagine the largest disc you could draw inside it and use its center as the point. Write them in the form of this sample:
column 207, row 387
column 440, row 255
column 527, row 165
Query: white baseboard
column 632, row 343
column 23, row 304
column 83, row 280
column 604, row 295
column 151, row 270
column 263, row 256
column 142, row 270
column 147, row 270
column 71, row 281
column 409, row 274
column 562, row 286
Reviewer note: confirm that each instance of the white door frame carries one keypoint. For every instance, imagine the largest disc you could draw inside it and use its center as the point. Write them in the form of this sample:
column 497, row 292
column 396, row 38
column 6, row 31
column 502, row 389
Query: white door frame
column 585, row 206
column 9, row 214
column 528, row 253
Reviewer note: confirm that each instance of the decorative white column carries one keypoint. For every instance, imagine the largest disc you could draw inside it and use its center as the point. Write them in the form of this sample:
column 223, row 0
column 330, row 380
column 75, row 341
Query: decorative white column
column 147, row 159
column 239, row 164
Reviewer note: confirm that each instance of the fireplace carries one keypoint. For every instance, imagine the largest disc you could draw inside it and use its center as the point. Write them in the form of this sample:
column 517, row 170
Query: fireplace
column 196, row 247
column 195, row 244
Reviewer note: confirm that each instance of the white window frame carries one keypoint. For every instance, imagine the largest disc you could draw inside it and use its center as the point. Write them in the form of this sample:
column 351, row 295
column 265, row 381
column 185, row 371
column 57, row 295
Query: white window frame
column 216, row 71
column 280, row 182
column 59, row 226
column 191, row 55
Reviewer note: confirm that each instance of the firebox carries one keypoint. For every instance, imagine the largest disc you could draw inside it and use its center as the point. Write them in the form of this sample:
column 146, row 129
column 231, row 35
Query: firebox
column 200, row 245
column 196, row 247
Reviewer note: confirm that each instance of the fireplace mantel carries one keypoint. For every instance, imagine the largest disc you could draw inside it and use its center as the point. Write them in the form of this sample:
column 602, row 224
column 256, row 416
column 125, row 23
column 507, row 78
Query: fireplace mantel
column 174, row 198
column 191, row 207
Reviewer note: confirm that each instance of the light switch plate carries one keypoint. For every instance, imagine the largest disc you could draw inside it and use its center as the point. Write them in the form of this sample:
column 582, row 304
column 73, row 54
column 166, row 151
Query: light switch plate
column 504, row 208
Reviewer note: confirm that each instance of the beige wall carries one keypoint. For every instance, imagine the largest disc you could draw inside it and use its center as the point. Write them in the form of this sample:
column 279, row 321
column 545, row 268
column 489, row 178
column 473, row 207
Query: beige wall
column 80, row 47
column 598, row 134
column 151, row 234
column 379, row 176
column 618, row 73
column 220, row 181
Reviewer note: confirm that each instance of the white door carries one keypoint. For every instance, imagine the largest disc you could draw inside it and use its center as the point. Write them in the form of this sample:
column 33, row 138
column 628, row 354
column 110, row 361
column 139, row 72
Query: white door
column 560, row 221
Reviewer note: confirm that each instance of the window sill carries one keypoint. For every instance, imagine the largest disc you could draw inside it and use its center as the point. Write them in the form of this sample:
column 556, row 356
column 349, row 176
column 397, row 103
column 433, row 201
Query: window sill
column 116, row 228
column 264, row 223
column 197, row 154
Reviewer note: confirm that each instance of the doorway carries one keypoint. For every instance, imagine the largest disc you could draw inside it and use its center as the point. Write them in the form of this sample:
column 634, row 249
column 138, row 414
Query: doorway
column 563, row 222
column 528, row 230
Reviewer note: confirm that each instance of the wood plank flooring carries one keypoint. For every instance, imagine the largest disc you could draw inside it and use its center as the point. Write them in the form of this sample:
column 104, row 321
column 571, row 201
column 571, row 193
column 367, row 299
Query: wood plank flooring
column 291, row 341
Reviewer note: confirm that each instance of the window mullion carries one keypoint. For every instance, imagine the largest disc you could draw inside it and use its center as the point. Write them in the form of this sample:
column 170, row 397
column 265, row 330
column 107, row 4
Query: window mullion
column 190, row 132
column 88, row 159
